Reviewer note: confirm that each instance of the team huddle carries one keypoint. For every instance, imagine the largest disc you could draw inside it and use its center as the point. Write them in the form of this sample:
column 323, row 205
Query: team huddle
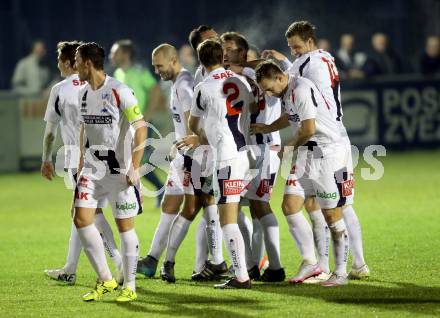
column 226, row 155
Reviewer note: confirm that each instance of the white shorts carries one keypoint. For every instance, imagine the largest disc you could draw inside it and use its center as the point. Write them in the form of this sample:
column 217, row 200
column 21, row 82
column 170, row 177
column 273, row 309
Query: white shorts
column 325, row 177
column 267, row 164
column 231, row 178
column 175, row 179
column 198, row 169
column 124, row 199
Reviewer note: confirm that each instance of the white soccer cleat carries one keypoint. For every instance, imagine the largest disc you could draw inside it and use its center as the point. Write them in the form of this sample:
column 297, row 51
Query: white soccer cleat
column 305, row 271
column 362, row 272
column 61, row 275
column 335, row 280
column 318, row 279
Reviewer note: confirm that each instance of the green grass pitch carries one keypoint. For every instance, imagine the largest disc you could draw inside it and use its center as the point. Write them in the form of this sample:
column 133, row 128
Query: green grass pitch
column 401, row 228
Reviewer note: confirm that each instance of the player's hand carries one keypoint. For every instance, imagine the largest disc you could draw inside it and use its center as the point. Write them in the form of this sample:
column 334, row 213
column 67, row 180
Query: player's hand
column 47, row 170
column 267, row 54
column 259, row 129
column 133, row 178
column 188, row 142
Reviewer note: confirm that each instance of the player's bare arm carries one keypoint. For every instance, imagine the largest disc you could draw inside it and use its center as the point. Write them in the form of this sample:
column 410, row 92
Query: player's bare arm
column 267, row 54
column 305, row 132
column 138, row 150
column 47, row 168
column 278, row 124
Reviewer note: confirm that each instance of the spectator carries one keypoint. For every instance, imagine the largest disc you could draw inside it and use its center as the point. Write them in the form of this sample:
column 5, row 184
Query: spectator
column 350, row 62
column 383, row 60
column 30, row 75
column 145, row 87
column 187, row 58
column 324, row 44
column 429, row 63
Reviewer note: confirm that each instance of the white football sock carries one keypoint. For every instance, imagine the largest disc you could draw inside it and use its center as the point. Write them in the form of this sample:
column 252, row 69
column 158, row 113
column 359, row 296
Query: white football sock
column 94, row 249
column 130, row 254
column 321, row 235
column 235, row 245
column 245, row 227
column 258, row 246
column 201, row 246
column 271, row 230
column 355, row 236
column 303, row 236
column 73, row 252
column 340, row 246
column 160, row 237
column 214, row 234
column 178, row 231
column 108, row 239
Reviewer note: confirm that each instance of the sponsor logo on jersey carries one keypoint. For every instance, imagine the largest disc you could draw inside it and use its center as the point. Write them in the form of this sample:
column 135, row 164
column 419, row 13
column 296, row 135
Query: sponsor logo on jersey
column 325, row 195
column 232, row 187
column 126, row 206
column 347, row 188
column 291, row 182
column 294, row 118
column 97, row 119
column 177, row 118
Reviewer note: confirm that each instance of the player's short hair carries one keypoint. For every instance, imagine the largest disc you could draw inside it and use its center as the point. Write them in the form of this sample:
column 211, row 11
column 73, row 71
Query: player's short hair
column 210, row 53
column 239, row 40
column 267, row 70
column 195, row 36
column 94, row 52
column 304, row 29
column 66, row 51
column 166, row 49
column 127, row 46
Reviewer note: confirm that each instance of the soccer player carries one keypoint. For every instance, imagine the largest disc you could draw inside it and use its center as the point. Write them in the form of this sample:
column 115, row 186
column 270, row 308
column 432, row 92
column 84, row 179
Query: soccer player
column 109, row 168
column 235, row 49
column 319, row 170
column 197, row 36
column 144, row 85
column 63, row 111
column 223, row 100
column 319, row 66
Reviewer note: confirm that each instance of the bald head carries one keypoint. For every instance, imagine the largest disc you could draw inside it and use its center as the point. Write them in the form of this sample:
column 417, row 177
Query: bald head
column 166, row 50
column 166, row 62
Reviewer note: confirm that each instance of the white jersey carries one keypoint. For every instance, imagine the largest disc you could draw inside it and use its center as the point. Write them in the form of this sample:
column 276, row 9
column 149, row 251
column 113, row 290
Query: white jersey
column 63, row 109
column 223, row 99
column 269, row 110
column 200, row 75
column 107, row 114
column 319, row 67
column 180, row 102
column 303, row 101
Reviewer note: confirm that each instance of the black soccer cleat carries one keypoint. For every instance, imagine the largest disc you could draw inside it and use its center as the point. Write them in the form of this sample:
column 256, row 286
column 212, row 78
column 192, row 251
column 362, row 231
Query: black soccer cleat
column 210, row 271
column 233, row 283
column 254, row 273
column 273, row 275
column 167, row 272
column 147, row 266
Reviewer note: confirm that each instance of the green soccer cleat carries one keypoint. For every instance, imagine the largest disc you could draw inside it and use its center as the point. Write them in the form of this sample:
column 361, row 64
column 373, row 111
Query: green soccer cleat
column 126, row 295
column 101, row 288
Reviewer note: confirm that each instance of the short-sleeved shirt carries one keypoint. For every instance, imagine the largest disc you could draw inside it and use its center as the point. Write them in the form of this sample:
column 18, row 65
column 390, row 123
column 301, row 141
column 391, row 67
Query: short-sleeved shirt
column 140, row 80
column 268, row 110
column 319, row 67
column 107, row 114
column 63, row 109
column 303, row 101
column 180, row 102
column 223, row 99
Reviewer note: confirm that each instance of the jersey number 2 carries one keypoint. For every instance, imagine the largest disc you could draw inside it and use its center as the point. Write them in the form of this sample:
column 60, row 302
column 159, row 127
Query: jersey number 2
column 232, row 110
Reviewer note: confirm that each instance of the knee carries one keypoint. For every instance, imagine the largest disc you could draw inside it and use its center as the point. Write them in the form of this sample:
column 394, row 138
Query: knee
column 189, row 212
column 171, row 204
column 332, row 215
column 80, row 221
column 288, row 207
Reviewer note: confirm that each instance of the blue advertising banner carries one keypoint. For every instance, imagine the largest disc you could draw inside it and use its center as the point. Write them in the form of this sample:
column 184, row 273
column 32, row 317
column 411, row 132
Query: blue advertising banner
column 397, row 114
